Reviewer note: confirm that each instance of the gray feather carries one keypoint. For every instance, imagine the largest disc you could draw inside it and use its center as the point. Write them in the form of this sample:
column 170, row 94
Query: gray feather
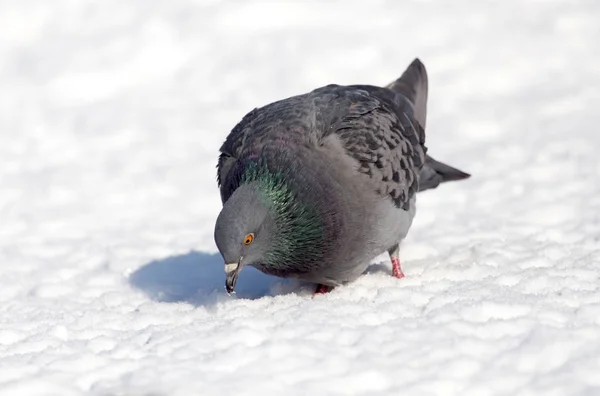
column 413, row 84
column 353, row 157
column 377, row 128
column 381, row 133
column 435, row 172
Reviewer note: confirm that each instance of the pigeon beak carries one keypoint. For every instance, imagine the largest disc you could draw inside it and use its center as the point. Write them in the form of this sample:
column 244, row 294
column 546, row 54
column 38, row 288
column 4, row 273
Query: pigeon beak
column 231, row 273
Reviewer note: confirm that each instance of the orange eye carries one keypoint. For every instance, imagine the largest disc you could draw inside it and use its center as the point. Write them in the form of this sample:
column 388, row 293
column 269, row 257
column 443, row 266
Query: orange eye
column 248, row 239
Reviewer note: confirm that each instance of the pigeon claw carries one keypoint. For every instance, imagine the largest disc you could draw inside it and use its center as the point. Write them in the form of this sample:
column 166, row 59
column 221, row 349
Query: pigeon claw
column 322, row 289
column 396, row 270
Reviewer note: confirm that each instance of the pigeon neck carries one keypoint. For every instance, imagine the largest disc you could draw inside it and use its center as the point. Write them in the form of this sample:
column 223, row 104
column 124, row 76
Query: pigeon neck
column 298, row 234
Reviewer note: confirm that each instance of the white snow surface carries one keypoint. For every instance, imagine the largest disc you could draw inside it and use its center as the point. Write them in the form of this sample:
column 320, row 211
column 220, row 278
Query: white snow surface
column 111, row 116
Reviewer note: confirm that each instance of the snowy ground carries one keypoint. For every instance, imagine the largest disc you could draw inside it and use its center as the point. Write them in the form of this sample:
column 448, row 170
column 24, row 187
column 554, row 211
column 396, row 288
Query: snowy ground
column 111, row 114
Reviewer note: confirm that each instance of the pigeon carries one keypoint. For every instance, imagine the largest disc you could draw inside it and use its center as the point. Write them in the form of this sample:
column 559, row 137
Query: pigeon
column 317, row 185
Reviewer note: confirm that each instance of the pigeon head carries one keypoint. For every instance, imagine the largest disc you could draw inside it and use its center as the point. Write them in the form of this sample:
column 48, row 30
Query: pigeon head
column 244, row 231
column 266, row 224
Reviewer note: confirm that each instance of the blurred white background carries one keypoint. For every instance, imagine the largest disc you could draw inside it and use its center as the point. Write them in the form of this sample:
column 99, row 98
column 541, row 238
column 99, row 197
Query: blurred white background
column 111, row 116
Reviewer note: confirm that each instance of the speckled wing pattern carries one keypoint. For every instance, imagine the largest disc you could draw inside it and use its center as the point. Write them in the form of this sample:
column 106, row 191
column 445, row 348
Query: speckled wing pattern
column 381, row 132
column 378, row 127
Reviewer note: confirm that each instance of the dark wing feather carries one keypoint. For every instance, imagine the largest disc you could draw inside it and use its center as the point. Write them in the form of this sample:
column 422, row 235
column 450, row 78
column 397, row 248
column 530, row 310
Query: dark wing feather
column 287, row 122
column 413, row 85
column 436, row 172
column 230, row 151
column 381, row 132
column 382, row 128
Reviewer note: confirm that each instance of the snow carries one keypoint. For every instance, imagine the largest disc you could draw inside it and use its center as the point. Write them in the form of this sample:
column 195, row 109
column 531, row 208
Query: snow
column 111, row 115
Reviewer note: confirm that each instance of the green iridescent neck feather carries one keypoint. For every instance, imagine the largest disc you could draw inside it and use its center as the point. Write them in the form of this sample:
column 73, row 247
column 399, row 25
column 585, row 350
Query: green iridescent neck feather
column 299, row 230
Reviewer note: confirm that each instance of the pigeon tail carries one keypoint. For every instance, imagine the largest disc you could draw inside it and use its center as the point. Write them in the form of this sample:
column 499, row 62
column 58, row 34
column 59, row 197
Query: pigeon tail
column 413, row 85
column 434, row 172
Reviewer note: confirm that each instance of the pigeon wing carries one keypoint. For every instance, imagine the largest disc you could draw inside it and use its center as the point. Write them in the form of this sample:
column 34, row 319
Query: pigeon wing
column 380, row 131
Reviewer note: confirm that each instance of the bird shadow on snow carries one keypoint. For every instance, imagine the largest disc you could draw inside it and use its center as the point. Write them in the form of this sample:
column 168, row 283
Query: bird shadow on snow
column 198, row 278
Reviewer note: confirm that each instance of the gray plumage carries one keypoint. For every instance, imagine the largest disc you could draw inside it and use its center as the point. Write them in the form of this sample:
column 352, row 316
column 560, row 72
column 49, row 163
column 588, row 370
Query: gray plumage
column 323, row 182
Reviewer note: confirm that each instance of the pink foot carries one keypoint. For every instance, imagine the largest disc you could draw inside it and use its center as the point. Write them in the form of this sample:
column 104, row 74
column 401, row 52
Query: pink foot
column 396, row 270
column 322, row 289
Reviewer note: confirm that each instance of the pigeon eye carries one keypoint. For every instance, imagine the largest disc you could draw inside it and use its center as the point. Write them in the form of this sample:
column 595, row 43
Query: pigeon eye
column 249, row 239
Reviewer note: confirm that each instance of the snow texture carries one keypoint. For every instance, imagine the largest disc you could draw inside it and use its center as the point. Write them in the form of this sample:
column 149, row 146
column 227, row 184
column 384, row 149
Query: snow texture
column 111, row 115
